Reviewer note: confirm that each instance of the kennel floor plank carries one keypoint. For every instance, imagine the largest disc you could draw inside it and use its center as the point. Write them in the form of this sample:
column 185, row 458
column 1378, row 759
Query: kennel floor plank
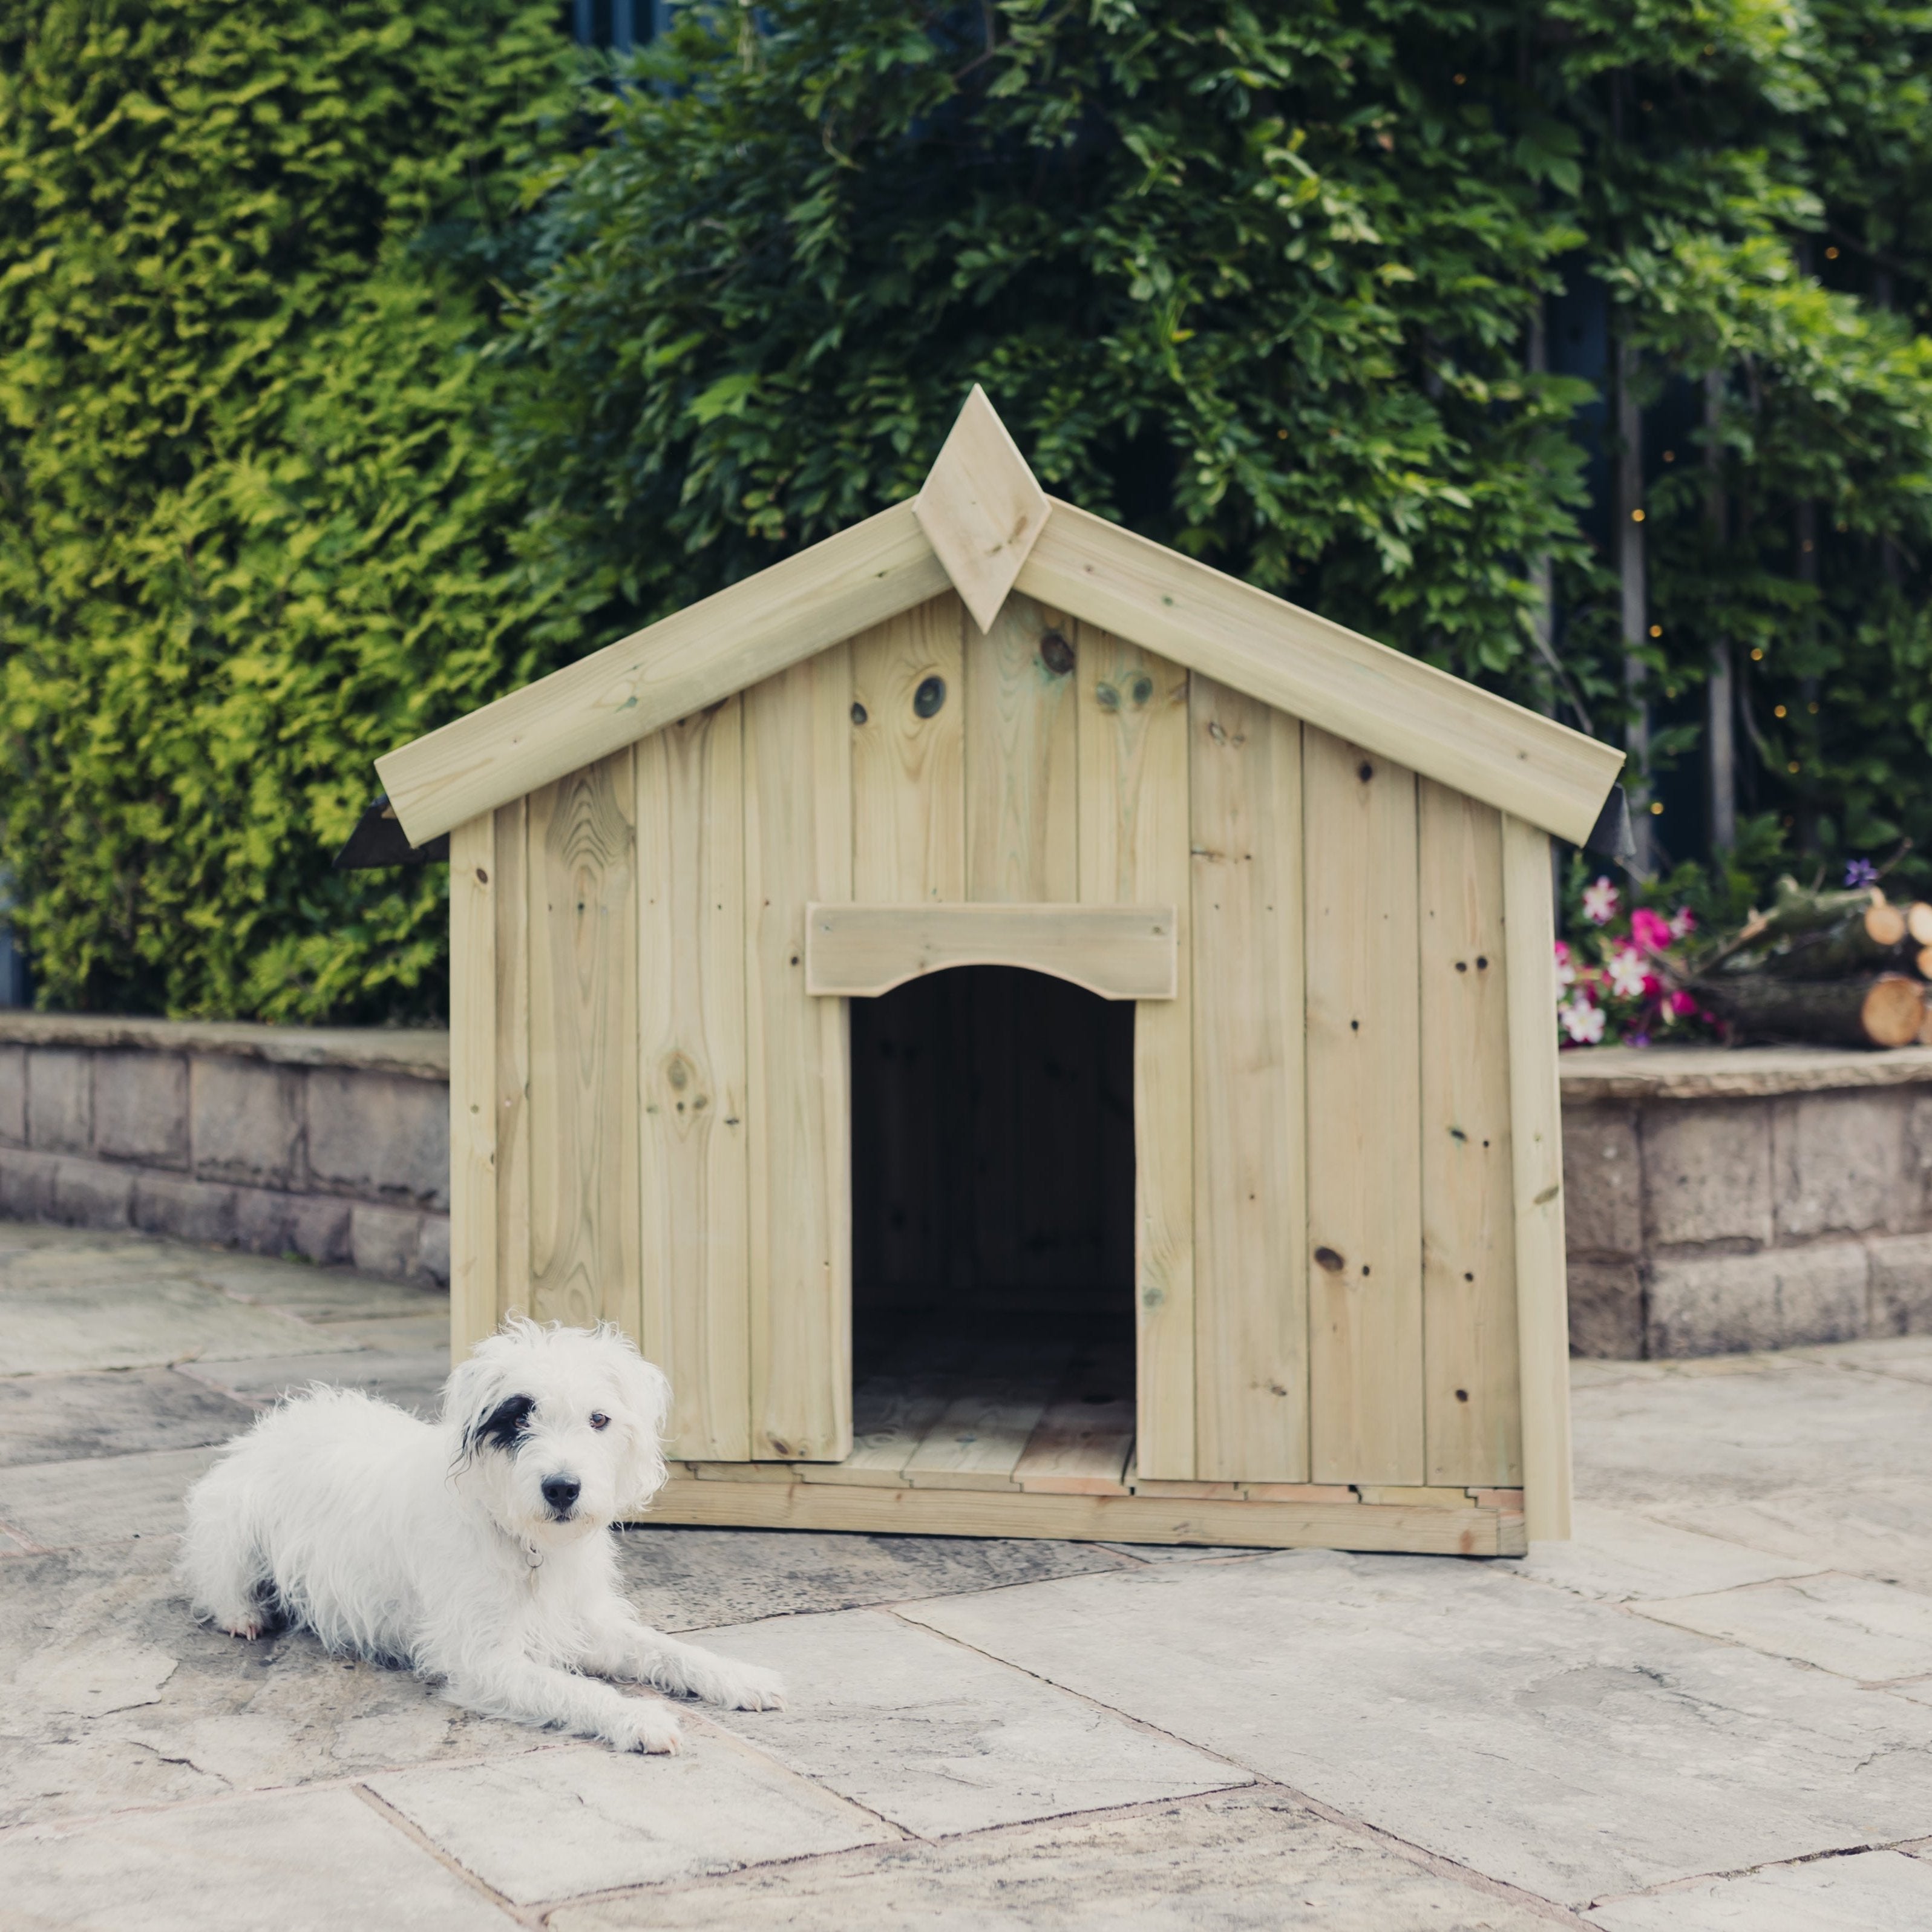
column 979, row 1439
column 891, row 1415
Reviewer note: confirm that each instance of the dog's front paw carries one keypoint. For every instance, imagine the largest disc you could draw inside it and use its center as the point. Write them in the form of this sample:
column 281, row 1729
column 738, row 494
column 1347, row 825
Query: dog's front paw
column 747, row 1686
column 646, row 1727
column 250, row 1627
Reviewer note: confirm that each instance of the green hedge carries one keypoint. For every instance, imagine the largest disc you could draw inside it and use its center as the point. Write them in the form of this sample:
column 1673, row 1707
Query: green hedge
column 254, row 531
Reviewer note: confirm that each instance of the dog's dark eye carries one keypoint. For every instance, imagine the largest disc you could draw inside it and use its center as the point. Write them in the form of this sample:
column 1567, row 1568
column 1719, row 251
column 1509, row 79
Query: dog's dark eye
column 600, row 1420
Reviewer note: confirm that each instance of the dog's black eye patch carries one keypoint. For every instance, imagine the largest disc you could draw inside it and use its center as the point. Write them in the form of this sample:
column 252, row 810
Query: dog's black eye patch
column 507, row 1424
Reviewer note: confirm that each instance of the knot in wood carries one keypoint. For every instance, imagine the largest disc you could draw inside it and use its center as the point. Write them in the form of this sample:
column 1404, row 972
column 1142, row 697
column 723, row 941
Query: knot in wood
column 927, row 700
column 1056, row 653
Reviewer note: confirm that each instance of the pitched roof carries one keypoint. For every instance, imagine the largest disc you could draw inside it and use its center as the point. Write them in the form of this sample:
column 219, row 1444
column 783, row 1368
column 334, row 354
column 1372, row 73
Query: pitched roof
column 982, row 526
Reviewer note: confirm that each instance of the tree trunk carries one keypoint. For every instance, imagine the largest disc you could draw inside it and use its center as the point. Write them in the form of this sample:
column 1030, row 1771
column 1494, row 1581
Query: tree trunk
column 1887, row 1011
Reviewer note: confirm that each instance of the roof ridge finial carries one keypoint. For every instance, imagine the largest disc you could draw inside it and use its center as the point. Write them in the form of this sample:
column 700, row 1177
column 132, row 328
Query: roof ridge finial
column 982, row 508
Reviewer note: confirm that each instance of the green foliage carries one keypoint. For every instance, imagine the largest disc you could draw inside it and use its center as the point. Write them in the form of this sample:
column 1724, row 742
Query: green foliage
column 1260, row 282
column 253, row 530
column 1255, row 281
column 283, row 487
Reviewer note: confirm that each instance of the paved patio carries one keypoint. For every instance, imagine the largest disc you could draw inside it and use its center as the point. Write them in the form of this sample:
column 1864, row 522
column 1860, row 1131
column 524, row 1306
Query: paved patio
column 1714, row 1709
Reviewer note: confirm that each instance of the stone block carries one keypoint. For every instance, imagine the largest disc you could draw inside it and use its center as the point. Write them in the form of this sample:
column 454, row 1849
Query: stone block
column 246, row 1121
column 1841, row 1163
column 379, row 1136
column 1918, row 1155
column 190, row 1210
column 13, row 1095
column 321, row 1229
column 1607, row 1309
column 1707, row 1172
column 263, row 1221
column 386, row 1241
column 60, row 1109
column 1781, row 1298
column 433, row 1258
column 93, row 1194
column 140, row 1108
column 1901, row 1284
column 26, row 1185
column 1603, row 1181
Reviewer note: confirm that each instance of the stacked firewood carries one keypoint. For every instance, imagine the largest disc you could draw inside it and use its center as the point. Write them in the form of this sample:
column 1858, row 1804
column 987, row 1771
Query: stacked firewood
column 1845, row 968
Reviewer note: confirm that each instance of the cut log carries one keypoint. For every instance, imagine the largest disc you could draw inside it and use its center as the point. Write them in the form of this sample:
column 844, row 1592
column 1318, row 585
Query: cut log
column 1924, row 960
column 1797, row 910
column 1918, row 922
column 1860, row 942
column 1886, row 1011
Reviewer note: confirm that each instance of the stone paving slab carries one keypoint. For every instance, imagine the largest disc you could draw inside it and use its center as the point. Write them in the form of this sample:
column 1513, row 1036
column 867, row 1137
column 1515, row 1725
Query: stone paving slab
column 940, row 1739
column 227, row 1716
column 1908, row 1358
column 555, row 1823
column 1699, row 1432
column 1245, row 1861
column 684, row 1579
column 1560, row 1745
column 67, row 1418
column 1849, row 1625
column 317, row 1861
column 412, row 1379
column 1873, row 1891
column 150, row 1323
column 100, row 1500
column 1619, row 1555
column 1879, row 1529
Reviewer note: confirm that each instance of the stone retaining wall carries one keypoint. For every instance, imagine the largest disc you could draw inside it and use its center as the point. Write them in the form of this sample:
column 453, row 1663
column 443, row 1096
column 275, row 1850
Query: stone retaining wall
column 1718, row 1202
column 332, row 1144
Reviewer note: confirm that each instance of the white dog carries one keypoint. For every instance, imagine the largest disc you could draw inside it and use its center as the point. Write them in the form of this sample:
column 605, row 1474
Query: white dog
column 477, row 1550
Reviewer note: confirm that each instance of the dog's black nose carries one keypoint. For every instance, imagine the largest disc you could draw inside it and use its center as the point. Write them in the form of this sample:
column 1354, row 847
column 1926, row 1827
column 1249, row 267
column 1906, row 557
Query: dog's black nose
column 561, row 1493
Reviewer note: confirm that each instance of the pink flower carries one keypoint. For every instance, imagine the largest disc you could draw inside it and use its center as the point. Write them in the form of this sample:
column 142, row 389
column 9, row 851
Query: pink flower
column 1652, row 985
column 1681, row 1004
column 1683, row 923
column 1600, row 902
column 1649, row 931
column 1566, row 970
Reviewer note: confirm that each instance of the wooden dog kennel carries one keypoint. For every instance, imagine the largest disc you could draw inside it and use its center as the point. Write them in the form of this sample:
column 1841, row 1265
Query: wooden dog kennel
column 1205, row 1067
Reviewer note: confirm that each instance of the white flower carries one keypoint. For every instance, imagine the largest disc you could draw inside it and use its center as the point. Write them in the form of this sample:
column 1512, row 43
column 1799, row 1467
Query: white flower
column 1566, row 969
column 1683, row 923
column 1600, row 902
column 1627, row 974
column 1583, row 1023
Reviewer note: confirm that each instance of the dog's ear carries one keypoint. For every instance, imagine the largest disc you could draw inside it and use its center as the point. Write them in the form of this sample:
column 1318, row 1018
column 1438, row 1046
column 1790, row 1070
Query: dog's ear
column 471, row 1392
column 646, row 1398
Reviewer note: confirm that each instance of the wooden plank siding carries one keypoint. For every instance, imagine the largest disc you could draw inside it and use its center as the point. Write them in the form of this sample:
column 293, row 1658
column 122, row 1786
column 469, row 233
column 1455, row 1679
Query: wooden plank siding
column 473, row 1294
column 798, row 848
column 1250, row 1167
column 651, row 1112
column 1134, row 846
column 1468, row 1249
column 513, row 1058
column 1364, row 1099
column 1022, row 831
column 583, row 1111
column 1542, row 1317
column 908, row 715
column 694, row 1175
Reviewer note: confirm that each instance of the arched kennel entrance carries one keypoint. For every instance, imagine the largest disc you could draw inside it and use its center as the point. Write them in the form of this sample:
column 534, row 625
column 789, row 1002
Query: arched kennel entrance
column 993, row 1231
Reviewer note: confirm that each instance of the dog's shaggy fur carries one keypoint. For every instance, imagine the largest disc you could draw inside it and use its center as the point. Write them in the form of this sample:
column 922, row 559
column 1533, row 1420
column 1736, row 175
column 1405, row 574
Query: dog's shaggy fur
column 477, row 1550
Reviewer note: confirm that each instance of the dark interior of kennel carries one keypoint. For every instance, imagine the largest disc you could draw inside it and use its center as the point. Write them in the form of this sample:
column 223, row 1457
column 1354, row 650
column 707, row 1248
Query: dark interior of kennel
column 993, row 1182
